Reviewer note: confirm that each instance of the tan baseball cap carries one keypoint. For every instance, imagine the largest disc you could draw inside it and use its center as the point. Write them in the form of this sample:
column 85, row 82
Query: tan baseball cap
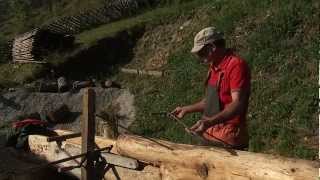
column 204, row 37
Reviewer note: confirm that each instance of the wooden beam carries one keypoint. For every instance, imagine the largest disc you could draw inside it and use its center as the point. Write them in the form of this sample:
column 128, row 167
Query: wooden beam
column 88, row 133
column 245, row 164
column 63, row 137
column 142, row 72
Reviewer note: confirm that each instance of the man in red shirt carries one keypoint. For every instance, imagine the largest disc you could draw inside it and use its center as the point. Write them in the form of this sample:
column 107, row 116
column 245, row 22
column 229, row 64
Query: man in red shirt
column 228, row 89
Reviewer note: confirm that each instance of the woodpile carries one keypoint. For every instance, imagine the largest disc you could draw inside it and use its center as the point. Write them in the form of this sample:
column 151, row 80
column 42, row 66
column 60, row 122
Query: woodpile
column 32, row 46
column 167, row 160
column 111, row 11
column 22, row 47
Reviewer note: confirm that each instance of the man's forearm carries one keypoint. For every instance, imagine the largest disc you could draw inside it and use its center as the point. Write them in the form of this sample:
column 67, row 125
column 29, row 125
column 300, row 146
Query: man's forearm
column 196, row 107
column 230, row 111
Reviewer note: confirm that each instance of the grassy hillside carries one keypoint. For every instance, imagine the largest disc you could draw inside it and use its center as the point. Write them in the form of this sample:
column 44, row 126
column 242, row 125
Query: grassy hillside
column 279, row 39
column 280, row 42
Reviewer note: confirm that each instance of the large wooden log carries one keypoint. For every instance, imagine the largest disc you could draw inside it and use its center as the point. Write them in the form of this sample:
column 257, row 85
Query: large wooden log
column 212, row 159
column 180, row 161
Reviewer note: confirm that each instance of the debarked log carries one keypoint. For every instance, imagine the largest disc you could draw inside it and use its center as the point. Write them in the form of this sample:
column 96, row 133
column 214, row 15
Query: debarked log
column 213, row 160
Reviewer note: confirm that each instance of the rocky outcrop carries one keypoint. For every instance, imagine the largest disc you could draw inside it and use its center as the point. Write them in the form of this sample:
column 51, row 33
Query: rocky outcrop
column 119, row 102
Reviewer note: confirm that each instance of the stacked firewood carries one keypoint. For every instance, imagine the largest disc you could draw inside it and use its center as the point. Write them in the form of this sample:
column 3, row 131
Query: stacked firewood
column 23, row 47
column 32, row 46
column 111, row 11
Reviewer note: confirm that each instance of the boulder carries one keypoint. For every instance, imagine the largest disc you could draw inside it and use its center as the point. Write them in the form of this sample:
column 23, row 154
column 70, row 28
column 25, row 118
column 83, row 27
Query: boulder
column 112, row 100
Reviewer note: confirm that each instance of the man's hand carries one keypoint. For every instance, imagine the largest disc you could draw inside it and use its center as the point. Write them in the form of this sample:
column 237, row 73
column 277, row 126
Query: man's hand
column 179, row 112
column 200, row 126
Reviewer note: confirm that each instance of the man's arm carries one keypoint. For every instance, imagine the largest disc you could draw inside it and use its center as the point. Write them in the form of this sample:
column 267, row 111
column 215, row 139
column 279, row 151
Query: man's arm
column 196, row 107
column 179, row 112
column 237, row 106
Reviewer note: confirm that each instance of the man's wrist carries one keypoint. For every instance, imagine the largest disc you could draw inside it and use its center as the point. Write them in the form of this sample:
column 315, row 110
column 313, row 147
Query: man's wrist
column 212, row 121
column 187, row 109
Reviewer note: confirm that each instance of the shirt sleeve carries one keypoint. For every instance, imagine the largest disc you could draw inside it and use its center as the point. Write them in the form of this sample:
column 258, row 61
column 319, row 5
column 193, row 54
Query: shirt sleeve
column 239, row 76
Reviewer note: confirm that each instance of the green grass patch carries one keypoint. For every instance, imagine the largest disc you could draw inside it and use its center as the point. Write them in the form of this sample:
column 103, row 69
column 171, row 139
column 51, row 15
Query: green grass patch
column 154, row 17
column 13, row 75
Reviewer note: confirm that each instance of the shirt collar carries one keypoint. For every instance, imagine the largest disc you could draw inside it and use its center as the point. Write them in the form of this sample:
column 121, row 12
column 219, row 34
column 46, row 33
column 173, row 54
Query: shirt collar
column 222, row 63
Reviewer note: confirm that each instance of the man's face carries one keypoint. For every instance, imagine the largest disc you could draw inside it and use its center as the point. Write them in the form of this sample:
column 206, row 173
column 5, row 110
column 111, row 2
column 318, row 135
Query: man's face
column 206, row 54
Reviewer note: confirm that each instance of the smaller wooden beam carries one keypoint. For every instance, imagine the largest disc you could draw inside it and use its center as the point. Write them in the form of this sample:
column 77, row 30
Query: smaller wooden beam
column 142, row 72
column 63, row 137
column 88, row 133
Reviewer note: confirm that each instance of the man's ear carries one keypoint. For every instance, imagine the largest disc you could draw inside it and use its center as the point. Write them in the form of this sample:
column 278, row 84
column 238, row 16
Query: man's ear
column 212, row 47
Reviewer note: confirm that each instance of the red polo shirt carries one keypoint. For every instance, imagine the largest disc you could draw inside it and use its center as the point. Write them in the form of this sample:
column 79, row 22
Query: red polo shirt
column 234, row 74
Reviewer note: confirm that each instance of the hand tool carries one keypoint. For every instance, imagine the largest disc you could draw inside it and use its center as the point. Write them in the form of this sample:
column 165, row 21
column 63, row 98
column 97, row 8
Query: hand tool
column 223, row 143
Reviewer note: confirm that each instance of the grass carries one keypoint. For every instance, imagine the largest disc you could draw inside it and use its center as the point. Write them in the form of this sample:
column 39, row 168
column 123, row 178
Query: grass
column 15, row 75
column 150, row 18
column 281, row 48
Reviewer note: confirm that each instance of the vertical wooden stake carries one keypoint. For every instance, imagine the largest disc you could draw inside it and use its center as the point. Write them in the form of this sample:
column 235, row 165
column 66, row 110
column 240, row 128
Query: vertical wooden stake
column 88, row 133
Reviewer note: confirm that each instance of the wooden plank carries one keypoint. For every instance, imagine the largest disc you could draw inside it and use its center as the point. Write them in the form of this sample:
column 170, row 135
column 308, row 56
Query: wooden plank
column 22, row 44
column 88, row 133
column 75, row 20
column 55, row 26
column 23, row 58
column 22, row 53
column 142, row 72
column 25, row 41
column 28, row 58
column 30, row 61
column 121, row 160
column 21, row 50
column 30, row 43
column 17, row 47
column 70, row 21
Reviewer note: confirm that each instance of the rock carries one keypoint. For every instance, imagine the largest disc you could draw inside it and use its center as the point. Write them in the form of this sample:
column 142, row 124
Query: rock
column 20, row 102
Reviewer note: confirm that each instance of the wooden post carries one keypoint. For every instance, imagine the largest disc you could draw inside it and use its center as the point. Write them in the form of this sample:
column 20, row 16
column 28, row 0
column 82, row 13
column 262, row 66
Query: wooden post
column 88, row 133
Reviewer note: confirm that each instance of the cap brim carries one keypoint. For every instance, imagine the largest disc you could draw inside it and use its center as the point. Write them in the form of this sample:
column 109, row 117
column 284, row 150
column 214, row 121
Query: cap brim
column 196, row 49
